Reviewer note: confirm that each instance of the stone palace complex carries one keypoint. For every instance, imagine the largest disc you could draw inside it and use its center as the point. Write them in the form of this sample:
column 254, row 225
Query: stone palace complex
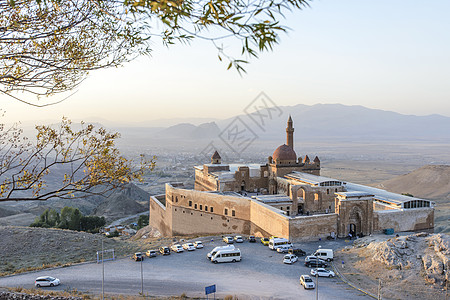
column 285, row 197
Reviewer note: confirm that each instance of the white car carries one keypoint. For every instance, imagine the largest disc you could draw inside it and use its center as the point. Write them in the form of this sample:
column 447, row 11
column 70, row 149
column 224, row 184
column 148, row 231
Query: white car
column 176, row 248
column 322, row 272
column 290, row 259
column 46, row 281
column 284, row 248
column 198, row 244
column 228, row 239
column 238, row 239
column 307, row 282
column 189, row 246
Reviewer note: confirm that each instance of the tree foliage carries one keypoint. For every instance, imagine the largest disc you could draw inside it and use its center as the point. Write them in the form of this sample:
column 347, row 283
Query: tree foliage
column 63, row 163
column 49, row 46
column 70, row 218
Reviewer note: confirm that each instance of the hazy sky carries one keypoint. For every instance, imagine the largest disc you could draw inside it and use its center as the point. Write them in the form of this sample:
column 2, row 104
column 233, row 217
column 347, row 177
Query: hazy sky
column 391, row 55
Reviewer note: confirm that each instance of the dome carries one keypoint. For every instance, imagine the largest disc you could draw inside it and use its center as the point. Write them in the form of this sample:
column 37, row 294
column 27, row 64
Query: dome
column 284, row 152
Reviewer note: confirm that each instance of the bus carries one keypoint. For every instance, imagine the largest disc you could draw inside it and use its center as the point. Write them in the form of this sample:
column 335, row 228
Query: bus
column 276, row 242
column 226, row 255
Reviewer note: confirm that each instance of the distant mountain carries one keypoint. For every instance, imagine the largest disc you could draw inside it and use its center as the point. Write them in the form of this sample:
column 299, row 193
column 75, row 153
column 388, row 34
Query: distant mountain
column 190, row 131
column 429, row 182
column 348, row 122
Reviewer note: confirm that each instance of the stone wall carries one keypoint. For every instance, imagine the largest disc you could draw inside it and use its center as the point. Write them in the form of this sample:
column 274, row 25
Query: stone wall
column 159, row 218
column 312, row 227
column 267, row 219
column 412, row 219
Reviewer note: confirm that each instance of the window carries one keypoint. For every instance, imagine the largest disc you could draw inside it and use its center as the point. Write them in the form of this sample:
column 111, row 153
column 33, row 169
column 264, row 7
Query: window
column 316, row 196
column 281, row 208
column 328, row 191
column 176, row 199
column 206, row 208
column 266, row 174
column 211, row 209
column 233, row 213
column 201, row 206
column 288, row 208
column 226, row 211
column 195, row 206
column 190, row 203
column 172, row 198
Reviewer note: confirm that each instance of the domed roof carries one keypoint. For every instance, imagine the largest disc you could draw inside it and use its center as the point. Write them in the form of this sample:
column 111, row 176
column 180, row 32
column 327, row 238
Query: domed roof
column 284, row 152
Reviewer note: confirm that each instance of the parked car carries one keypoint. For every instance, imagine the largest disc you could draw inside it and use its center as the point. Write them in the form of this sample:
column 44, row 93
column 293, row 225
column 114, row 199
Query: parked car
column 238, row 239
column 176, row 248
column 290, row 259
column 189, row 246
column 307, row 282
column 151, row 253
column 265, row 241
column 318, row 263
column 284, row 248
column 46, row 281
column 297, row 251
column 164, row 250
column 321, row 272
column 228, row 240
column 138, row 256
column 198, row 244
column 252, row 239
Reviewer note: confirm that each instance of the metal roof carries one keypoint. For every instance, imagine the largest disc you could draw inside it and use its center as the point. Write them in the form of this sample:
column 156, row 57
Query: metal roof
column 310, row 178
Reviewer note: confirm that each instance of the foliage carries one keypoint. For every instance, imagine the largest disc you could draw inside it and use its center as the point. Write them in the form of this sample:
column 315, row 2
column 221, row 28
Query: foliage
column 70, row 218
column 50, row 46
column 85, row 160
column 142, row 221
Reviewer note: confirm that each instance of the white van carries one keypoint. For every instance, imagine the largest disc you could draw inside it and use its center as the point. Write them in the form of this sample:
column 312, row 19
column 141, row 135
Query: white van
column 325, row 254
column 276, row 242
column 226, row 255
column 214, row 251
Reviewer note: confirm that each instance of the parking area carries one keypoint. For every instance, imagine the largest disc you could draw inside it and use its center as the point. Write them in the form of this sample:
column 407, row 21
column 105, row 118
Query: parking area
column 260, row 274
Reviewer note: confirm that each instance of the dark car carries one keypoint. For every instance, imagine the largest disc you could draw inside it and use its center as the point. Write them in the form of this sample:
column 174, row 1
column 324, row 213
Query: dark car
column 252, row 239
column 138, row 256
column 297, row 251
column 164, row 250
column 316, row 263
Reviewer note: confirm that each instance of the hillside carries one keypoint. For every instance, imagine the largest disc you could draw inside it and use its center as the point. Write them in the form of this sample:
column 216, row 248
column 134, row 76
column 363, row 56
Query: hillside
column 123, row 203
column 429, row 182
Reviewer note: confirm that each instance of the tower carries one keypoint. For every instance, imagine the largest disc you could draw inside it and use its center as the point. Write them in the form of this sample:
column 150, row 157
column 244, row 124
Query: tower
column 290, row 133
column 216, row 159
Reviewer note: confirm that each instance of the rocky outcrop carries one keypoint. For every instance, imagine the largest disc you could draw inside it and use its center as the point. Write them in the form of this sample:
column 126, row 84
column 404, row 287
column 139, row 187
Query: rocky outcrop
column 427, row 254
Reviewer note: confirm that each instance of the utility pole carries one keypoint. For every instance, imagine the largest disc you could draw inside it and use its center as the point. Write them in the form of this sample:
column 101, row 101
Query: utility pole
column 379, row 289
column 317, row 285
column 103, row 275
column 142, row 278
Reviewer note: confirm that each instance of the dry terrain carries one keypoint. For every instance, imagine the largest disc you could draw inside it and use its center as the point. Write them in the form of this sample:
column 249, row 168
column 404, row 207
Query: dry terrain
column 27, row 248
column 409, row 267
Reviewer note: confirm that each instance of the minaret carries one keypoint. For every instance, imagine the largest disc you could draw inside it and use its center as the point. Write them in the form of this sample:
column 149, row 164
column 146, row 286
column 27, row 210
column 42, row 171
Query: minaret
column 290, row 133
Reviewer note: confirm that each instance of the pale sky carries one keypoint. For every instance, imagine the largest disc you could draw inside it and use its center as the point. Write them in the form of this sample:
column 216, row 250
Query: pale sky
column 391, row 55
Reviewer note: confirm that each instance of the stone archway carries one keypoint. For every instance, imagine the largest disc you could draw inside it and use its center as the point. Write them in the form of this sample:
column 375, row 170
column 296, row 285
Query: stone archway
column 243, row 185
column 355, row 221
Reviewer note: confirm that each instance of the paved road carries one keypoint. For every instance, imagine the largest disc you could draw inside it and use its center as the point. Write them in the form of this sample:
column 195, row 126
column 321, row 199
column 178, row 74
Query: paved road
column 260, row 275
column 122, row 220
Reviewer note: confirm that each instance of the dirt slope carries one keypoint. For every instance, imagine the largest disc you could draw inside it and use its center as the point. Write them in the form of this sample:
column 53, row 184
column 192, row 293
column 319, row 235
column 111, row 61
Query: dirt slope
column 44, row 246
column 429, row 182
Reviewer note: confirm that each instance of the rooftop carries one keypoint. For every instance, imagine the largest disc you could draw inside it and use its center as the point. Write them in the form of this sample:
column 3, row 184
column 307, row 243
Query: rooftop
column 313, row 179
